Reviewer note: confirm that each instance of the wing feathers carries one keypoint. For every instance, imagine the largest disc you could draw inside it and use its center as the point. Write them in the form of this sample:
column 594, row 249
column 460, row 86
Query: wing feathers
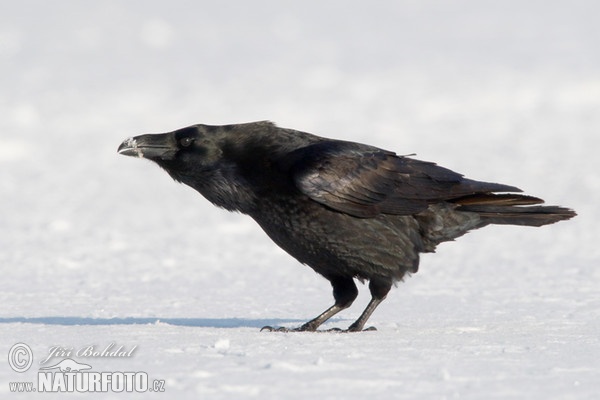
column 364, row 181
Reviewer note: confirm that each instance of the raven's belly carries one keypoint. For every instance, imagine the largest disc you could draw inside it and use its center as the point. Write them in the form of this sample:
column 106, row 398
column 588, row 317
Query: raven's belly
column 336, row 244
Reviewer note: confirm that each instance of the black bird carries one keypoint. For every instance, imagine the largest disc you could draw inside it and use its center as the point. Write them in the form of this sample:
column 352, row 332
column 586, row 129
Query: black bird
column 347, row 210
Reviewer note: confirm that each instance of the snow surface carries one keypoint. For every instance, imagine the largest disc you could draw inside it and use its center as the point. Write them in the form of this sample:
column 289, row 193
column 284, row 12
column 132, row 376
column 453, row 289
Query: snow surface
column 97, row 248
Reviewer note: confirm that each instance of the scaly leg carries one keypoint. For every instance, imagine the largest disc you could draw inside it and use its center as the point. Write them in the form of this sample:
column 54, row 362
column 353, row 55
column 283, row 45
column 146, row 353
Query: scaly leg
column 379, row 289
column 344, row 293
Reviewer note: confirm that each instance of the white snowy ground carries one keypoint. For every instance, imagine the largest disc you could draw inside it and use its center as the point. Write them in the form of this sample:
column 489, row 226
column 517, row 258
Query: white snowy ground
column 97, row 248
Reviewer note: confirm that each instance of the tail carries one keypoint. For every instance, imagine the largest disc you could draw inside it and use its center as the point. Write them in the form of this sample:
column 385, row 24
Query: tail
column 512, row 209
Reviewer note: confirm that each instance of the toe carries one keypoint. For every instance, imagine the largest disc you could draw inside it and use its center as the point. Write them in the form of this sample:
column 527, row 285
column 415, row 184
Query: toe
column 267, row 328
column 277, row 329
column 371, row 328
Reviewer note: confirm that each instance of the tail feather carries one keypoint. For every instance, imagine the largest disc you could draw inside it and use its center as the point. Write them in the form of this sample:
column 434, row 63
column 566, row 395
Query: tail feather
column 504, row 199
column 508, row 209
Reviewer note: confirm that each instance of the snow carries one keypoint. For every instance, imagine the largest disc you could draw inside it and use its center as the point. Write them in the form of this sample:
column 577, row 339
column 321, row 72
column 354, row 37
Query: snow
column 97, row 248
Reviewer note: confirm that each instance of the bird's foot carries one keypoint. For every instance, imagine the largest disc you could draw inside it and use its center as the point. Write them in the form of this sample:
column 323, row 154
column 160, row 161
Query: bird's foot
column 276, row 329
column 350, row 329
column 304, row 329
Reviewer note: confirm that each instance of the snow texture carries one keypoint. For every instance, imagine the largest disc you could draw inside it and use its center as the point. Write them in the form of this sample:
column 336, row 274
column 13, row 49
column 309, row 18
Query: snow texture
column 97, row 248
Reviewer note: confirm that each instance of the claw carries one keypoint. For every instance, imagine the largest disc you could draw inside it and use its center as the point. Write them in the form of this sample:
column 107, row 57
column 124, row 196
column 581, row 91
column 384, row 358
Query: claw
column 267, row 328
column 371, row 328
column 275, row 329
column 349, row 330
column 280, row 329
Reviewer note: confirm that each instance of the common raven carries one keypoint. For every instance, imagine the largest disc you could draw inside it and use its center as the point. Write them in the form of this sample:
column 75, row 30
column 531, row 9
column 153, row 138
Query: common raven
column 345, row 209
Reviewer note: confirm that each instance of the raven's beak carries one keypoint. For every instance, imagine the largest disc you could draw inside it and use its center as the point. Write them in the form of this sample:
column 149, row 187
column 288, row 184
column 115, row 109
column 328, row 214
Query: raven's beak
column 159, row 146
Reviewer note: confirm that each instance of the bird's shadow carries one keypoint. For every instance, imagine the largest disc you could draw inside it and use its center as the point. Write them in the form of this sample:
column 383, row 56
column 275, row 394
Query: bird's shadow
column 191, row 322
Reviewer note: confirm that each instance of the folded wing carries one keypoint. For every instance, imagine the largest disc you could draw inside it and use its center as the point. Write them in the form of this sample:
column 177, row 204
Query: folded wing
column 364, row 181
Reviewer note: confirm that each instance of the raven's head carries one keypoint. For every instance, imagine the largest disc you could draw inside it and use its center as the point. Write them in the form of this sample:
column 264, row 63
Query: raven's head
column 187, row 151
column 207, row 158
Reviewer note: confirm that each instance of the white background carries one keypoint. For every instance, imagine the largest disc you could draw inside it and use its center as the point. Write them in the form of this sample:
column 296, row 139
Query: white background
column 98, row 248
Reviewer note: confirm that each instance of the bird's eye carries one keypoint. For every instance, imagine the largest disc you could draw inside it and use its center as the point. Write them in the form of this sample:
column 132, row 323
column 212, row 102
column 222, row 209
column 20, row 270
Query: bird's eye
column 186, row 142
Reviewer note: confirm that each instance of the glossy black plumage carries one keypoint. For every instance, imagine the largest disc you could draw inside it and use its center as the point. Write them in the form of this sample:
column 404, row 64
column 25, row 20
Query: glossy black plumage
column 345, row 209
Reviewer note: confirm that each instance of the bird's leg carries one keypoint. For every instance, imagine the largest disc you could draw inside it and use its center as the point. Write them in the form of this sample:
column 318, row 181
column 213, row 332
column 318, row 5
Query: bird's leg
column 379, row 289
column 344, row 293
column 359, row 324
column 314, row 323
